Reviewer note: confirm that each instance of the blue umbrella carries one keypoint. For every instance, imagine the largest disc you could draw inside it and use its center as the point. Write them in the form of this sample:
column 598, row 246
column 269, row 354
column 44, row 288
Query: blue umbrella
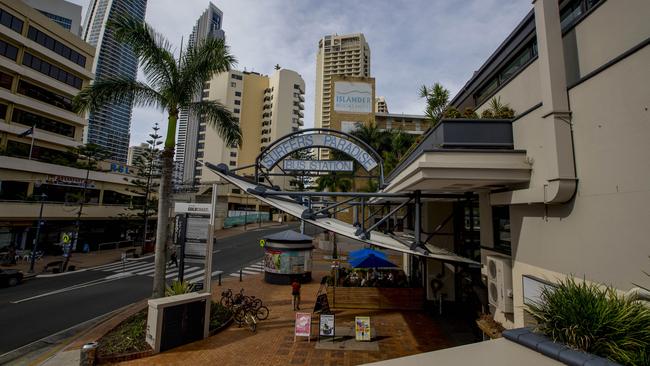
column 371, row 261
column 365, row 252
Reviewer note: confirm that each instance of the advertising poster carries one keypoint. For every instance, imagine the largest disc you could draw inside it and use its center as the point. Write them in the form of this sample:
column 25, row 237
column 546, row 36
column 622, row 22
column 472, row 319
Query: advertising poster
column 287, row 262
column 362, row 328
column 303, row 325
column 353, row 97
column 326, row 325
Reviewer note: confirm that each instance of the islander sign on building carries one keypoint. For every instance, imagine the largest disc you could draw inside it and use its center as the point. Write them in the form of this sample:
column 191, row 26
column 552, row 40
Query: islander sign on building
column 352, row 97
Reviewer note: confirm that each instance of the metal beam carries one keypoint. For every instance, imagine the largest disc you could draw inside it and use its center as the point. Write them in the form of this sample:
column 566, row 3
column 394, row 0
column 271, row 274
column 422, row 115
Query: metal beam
column 365, row 234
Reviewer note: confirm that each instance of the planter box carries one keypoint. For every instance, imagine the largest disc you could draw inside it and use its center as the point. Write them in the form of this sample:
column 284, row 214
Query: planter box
column 556, row 351
column 376, row 298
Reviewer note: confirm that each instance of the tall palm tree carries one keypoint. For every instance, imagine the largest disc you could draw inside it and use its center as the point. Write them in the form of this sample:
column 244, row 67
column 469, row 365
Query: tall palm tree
column 170, row 86
column 437, row 97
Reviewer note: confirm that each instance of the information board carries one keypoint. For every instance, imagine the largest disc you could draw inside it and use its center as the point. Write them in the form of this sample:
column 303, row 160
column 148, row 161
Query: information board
column 362, row 328
column 302, row 327
column 326, row 325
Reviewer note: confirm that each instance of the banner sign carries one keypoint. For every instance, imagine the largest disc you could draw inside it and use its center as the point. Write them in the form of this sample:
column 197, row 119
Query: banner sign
column 300, row 142
column 319, row 165
column 287, row 261
column 62, row 180
column 362, row 328
column 352, row 97
column 193, row 208
column 326, row 325
column 302, row 326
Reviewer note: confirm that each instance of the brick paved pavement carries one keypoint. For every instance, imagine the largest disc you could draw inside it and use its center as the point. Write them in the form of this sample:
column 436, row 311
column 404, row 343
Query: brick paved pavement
column 399, row 334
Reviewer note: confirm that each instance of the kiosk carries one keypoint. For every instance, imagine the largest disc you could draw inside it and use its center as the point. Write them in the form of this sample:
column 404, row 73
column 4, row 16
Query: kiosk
column 287, row 255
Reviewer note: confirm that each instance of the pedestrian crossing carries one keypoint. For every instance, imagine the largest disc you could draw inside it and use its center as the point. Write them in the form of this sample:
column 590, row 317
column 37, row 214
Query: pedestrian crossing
column 192, row 273
column 253, row 269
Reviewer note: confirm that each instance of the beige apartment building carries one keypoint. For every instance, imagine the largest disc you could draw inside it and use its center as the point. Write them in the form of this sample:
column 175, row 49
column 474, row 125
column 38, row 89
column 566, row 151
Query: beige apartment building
column 42, row 67
column 267, row 107
column 562, row 189
column 345, row 55
column 410, row 123
column 380, row 105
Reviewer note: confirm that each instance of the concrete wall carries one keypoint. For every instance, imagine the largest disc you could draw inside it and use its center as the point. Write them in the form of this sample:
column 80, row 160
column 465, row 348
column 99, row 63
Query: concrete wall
column 434, row 213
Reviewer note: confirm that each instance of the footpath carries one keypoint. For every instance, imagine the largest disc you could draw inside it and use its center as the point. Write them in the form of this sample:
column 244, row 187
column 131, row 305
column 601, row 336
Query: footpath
column 397, row 333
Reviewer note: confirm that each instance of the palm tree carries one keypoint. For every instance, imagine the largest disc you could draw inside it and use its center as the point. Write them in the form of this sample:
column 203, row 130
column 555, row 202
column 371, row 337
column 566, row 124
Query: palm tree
column 170, row 86
column 437, row 97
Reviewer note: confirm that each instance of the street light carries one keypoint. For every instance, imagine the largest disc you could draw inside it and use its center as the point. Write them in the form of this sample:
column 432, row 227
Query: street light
column 38, row 233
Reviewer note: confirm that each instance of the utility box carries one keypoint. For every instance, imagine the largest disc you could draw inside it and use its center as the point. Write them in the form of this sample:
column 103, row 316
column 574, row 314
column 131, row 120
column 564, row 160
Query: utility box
column 176, row 320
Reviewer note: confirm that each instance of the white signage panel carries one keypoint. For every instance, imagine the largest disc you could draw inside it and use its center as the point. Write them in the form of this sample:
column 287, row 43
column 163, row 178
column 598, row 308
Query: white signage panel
column 352, row 97
column 192, row 208
column 319, row 165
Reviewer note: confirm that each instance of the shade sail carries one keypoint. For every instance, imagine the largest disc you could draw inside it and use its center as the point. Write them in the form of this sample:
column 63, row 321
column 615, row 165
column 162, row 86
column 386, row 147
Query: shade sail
column 371, row 261
column 366, row 252
column 293, row 208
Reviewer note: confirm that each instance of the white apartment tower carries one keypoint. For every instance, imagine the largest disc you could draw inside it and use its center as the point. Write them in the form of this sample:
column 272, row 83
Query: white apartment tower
column 347, row 55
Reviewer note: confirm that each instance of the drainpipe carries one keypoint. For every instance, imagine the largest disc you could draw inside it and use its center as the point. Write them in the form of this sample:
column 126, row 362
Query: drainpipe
column 558, row 168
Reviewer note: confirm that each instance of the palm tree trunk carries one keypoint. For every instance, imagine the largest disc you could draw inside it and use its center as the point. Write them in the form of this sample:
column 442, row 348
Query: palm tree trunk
column 163, row 232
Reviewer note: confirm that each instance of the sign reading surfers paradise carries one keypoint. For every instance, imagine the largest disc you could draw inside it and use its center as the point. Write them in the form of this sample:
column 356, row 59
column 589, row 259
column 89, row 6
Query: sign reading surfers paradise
column 352, row 97
column 271, row 157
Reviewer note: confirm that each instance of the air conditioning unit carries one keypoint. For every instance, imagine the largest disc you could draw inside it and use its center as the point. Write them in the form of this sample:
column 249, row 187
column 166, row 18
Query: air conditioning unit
column 499, row 272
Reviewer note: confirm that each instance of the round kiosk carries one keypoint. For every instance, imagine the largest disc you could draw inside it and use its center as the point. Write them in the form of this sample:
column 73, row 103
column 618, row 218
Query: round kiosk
column 287, row 255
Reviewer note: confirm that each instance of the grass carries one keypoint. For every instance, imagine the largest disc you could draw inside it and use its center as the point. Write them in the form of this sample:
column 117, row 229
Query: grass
column 595, row 319
column 129, row 336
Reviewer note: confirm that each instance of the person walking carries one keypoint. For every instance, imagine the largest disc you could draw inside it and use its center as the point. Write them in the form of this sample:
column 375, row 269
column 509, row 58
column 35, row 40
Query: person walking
column 295, row 292
column 173, row 260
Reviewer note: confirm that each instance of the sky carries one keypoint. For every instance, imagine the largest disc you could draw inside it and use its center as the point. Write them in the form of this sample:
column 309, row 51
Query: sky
column 412, row 42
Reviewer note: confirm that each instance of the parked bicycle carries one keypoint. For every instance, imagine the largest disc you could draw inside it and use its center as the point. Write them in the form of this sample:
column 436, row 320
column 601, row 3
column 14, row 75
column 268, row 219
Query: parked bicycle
column 238, row 301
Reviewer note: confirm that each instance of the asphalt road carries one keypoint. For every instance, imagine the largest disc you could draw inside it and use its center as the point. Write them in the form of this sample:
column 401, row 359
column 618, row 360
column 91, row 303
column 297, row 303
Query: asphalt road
column 41, row 307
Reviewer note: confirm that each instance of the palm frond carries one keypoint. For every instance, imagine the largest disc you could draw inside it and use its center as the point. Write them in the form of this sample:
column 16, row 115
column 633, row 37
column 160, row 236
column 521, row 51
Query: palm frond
column 200, row 62
column 216, row 115
column 116, row 90
column 152, row 49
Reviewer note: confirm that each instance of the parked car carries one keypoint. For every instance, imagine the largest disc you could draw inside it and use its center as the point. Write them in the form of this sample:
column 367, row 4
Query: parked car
column 10, row 277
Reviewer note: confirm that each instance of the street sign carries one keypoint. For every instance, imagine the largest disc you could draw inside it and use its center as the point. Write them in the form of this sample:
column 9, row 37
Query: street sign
column 66, row 238
column 262, row 243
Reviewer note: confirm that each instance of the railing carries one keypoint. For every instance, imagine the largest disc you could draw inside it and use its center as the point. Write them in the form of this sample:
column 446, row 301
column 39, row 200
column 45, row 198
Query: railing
column 117, row 244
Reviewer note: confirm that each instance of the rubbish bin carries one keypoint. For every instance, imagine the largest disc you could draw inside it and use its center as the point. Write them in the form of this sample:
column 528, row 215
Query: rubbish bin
column 88, row 354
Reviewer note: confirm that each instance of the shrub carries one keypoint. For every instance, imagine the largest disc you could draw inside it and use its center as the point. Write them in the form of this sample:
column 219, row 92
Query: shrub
column 487, row 113
column 179, row 288
column 595, row 319
column 469, row 113
column 219, row 314
column 451, row 112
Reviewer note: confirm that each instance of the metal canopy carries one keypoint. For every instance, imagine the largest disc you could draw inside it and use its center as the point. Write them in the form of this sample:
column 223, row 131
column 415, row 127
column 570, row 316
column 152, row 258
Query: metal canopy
column 293, row 204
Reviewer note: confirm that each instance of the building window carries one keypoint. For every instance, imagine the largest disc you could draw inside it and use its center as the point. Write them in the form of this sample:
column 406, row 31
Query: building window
column 206, row 85
column 501, row 226
column 5, row 80
column 50, row 70
column 43, row 123
column 8, row 50
column 237, row 77
column 205, row 94
column 56, row 46
column 237, row 102
column 200, row 145
column 44, row 95
column 11, row 21
column 201, row 128
column 233, row 84
column 233, row 154
column 3, row 111
column 574, row 10
column 236, row 190
column 236, row 110
column 238, row 94
column 233, row 163
column 199, row 154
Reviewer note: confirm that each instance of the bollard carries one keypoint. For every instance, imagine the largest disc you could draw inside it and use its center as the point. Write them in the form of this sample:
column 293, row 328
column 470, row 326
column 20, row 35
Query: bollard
column 240, row 274
column 219, row 279
column 88, row 354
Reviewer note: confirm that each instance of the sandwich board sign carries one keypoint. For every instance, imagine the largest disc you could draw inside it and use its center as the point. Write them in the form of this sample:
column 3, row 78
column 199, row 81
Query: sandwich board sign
column 302, row 327
column 362, row 328
column 326, row 326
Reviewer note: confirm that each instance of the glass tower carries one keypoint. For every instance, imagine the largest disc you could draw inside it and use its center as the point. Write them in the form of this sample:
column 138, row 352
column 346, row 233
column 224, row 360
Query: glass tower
column 110, row 126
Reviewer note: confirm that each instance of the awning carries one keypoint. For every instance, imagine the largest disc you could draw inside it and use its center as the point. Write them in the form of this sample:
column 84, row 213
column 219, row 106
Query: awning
column 293, row 208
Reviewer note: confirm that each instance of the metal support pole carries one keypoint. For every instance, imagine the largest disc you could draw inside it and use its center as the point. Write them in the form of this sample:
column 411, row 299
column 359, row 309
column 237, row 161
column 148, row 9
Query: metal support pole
column 32, row 258
column 207, row 277
column 240, row 274
column 219, row 279
column 363, row 213
column 373, row 227
column 418, row 220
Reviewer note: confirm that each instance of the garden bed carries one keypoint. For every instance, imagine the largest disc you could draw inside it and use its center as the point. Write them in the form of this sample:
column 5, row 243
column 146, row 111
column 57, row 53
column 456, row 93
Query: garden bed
column 127, row 340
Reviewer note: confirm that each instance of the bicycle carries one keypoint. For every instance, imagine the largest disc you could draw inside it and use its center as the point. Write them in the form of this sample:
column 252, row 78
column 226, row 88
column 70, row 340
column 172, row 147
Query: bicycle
column 244, row 315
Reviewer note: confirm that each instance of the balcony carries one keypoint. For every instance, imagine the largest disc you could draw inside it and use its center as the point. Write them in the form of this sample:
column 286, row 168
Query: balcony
column 462, row 155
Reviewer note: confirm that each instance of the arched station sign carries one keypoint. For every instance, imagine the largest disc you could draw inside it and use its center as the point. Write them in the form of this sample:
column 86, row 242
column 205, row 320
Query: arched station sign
column 312, row 138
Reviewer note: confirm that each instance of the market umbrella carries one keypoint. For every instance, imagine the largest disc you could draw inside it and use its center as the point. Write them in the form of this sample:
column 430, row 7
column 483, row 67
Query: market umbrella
column 371, row 261
column 366, row 252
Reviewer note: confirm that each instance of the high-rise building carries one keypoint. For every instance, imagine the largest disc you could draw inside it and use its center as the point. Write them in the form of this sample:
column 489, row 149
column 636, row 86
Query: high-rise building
column 64, row 13
column 109, row 126
column 136, row 152
column 380, row 105
column 207, row 26
column 347, row 55
column 267, row 107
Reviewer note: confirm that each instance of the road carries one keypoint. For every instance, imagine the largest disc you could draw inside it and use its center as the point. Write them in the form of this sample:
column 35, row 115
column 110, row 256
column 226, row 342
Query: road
column 44, row 306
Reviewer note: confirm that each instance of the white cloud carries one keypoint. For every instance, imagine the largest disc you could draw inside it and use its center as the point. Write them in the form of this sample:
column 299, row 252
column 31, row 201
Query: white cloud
column 412, row 42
